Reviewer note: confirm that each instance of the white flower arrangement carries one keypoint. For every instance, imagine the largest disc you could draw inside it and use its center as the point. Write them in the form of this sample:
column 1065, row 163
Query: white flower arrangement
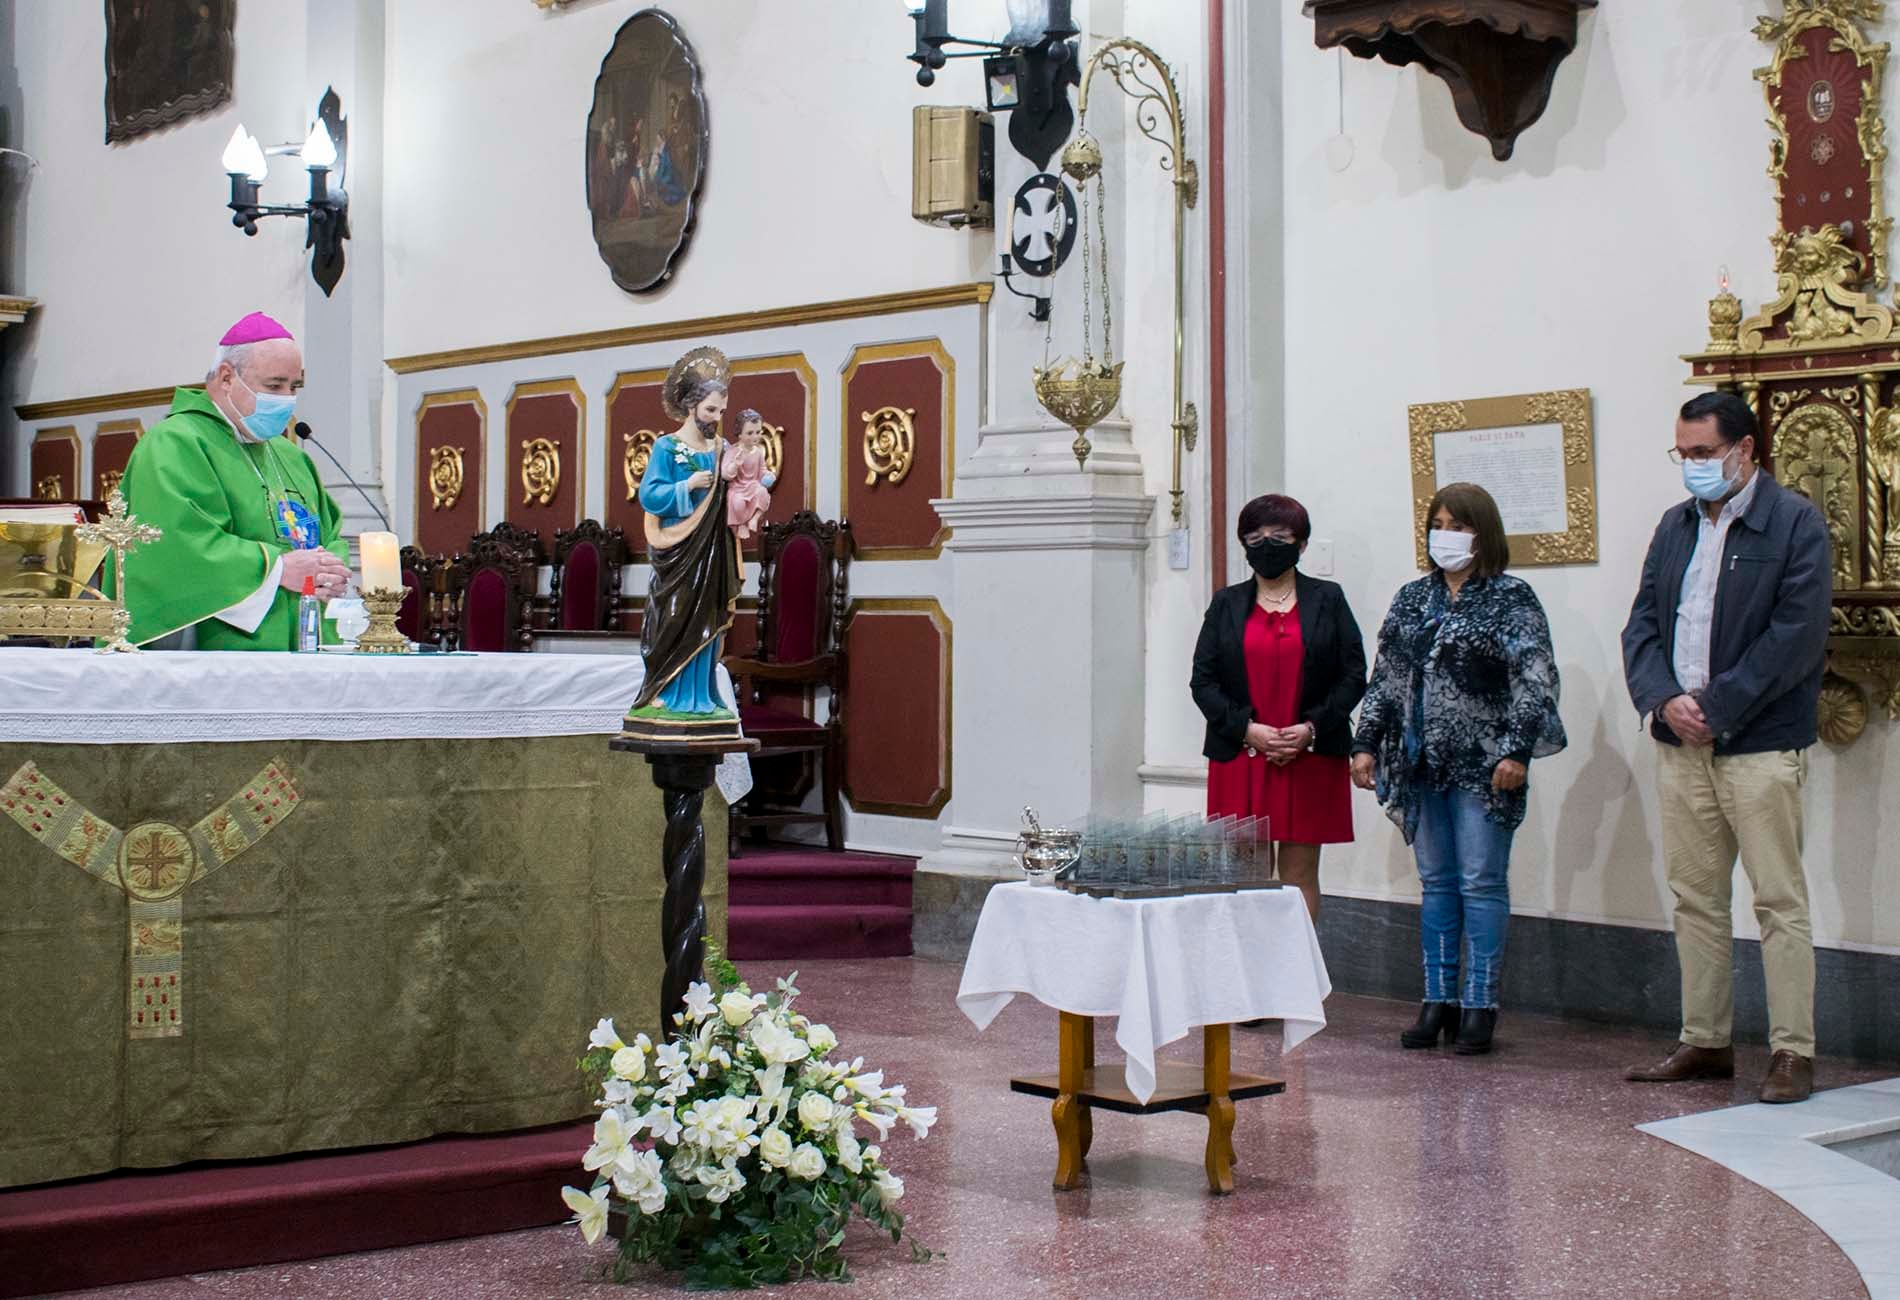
column 734, row 1151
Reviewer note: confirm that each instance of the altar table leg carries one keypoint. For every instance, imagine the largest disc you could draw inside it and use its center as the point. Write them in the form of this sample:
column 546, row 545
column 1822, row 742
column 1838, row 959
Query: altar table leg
column 1216, row 1070
column 1069, row 1113
column 1088, row 1063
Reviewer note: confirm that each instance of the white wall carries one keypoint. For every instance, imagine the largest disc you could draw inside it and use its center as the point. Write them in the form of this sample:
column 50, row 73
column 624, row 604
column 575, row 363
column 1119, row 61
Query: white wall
column 1428, row 272
column 807, row 194
column 128, row 247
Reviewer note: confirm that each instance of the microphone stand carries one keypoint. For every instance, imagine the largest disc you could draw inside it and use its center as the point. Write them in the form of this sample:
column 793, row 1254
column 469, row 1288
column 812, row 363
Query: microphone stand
column 302, row 430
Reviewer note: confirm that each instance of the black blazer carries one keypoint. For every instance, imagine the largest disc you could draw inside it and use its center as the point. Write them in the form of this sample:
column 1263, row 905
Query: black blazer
column 1332, row 674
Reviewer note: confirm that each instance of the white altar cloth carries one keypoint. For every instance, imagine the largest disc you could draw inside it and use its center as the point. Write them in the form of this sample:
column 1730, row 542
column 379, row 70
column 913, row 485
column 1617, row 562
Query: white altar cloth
column 1160, row 966
column 177, row 697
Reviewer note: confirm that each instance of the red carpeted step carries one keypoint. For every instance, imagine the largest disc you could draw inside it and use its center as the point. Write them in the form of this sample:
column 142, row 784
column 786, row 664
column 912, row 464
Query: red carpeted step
column 789, row 879
column 780, row 932
column 135, row 1225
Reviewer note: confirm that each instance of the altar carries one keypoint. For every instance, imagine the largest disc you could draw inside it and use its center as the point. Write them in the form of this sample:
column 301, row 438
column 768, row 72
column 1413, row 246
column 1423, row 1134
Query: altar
column 265, row 903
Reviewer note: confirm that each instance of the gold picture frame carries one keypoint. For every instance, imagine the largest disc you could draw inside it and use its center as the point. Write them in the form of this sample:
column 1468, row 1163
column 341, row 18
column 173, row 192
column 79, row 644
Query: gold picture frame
column 1523, row 468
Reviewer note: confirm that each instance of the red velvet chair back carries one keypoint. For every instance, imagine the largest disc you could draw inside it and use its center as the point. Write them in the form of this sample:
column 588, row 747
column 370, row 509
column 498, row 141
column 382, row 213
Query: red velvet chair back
column 799, row 583
column 491, row 596
column 584, row 589
column 420, row 618
column 411, row 617
column 485, row 612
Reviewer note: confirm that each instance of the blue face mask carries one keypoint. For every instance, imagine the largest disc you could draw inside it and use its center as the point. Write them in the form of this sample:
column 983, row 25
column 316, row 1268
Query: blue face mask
column 1708, row 480
column 272, row 415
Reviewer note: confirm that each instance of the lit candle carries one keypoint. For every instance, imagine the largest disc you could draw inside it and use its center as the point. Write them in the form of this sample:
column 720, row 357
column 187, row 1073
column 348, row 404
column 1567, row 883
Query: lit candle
column 1722, row 276
column 382, row 571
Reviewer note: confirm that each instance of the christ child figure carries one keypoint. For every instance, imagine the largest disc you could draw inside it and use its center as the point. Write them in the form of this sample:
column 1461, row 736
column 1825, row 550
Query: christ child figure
column 743, row 468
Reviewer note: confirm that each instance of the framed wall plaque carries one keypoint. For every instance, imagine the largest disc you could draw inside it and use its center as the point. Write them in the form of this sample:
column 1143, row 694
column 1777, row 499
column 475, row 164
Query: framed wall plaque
column 166, row 60
column 1534, row 453
column 646, row 150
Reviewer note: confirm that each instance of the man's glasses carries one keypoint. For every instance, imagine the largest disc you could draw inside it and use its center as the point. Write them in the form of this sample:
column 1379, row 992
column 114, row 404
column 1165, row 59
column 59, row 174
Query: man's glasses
column 1698, row 456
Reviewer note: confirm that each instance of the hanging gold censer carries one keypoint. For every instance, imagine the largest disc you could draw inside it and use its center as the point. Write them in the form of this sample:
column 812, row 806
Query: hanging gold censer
column 1080, row 392
column 1140, row 74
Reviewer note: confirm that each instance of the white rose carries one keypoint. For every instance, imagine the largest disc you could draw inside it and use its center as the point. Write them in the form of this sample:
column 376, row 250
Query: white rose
column 775, row 1148
column 808, row 1163
column 630, row 1063
column 815, row 1111
column 821, row 1038
column 736, row 1007
column 889, row 1186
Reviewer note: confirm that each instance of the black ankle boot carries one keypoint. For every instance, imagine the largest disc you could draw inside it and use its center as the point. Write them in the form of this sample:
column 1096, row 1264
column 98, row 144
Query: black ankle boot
column 1434, row 1018
column 1475, row 1028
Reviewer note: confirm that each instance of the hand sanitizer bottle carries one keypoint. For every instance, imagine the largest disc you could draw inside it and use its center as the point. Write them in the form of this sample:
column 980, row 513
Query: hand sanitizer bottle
column 308, row 635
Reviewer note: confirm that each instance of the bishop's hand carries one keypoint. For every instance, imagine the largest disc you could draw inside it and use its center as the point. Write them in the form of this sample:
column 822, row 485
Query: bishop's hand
column 331, row 575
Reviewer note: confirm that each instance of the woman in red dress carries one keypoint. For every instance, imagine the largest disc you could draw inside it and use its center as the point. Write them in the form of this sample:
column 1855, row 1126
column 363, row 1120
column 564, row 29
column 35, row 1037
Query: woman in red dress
column 1278, row 670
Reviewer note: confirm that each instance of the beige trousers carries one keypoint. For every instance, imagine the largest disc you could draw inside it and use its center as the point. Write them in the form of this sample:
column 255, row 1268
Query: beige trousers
column 1712, row 808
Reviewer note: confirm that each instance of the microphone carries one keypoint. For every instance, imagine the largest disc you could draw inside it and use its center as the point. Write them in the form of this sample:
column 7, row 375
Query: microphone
column 302, row 430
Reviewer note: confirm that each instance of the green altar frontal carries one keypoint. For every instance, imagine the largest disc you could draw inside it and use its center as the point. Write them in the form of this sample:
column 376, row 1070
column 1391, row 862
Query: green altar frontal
column 234, row 950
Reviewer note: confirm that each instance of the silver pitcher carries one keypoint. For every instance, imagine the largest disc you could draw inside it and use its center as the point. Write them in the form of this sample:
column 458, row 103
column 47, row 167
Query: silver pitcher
column 1046, row 853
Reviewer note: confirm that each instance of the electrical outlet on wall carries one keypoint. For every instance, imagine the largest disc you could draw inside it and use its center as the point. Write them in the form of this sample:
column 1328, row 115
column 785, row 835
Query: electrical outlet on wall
column 1318, row 560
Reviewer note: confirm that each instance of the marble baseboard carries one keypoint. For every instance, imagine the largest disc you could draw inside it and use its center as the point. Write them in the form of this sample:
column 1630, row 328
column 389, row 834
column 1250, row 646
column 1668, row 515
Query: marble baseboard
column 1614, row 974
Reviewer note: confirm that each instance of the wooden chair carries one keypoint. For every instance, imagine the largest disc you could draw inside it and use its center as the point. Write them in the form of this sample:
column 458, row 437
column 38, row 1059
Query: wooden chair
column 584, row 590
column 490, row 598
column 424, row 594
column 804, row 571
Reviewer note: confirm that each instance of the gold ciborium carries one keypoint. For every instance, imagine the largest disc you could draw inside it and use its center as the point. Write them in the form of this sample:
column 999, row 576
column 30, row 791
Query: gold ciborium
column 1079, row 393
column 382, row 638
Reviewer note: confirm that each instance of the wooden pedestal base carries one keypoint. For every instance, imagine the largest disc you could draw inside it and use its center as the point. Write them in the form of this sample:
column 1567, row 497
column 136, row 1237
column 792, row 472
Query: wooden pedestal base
column 1079, row 1087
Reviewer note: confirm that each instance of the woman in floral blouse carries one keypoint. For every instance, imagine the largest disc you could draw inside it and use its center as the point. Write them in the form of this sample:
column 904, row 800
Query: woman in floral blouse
column 1463, row 696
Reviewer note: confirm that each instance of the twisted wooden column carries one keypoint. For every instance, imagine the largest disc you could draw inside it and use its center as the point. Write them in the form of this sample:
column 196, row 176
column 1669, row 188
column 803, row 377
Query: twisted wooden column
column 682, row 781
column 682, row 770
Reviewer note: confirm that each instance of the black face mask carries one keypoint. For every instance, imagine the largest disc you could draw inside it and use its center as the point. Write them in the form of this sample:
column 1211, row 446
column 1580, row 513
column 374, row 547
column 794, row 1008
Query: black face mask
column 1270, row 558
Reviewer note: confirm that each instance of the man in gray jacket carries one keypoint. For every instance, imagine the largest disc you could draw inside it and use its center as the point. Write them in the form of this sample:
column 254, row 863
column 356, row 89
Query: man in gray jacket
column 1725, row 647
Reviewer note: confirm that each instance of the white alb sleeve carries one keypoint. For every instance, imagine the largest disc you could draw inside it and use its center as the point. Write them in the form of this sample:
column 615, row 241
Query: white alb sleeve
column 248, row 614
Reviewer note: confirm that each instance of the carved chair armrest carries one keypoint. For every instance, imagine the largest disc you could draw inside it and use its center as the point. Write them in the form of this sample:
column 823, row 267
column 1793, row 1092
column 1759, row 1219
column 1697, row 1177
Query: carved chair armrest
column 819, row 671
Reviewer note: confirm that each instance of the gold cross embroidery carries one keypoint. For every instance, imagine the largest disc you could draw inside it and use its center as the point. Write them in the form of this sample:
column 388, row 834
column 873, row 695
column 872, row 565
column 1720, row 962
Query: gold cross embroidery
column 152, row 864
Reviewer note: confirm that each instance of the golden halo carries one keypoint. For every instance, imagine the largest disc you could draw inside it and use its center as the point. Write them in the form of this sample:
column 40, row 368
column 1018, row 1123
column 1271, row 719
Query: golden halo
column 700, row 363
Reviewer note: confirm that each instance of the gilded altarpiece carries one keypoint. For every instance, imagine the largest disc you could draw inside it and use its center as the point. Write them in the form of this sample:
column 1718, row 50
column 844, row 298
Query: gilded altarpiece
column 1820, row 364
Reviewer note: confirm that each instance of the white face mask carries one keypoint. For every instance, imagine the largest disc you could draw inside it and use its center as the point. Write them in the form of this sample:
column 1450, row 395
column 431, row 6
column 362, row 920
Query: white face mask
column 1451, row 551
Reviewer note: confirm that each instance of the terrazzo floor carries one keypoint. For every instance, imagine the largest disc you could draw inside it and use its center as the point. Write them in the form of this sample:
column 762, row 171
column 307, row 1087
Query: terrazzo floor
column 1380, row 1174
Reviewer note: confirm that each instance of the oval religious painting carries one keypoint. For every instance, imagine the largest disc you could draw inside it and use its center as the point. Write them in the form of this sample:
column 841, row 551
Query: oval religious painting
column 646, row 150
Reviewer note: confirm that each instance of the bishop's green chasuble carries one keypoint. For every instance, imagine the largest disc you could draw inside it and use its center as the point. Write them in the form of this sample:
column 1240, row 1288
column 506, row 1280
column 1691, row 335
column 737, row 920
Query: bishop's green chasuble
column 217, row 501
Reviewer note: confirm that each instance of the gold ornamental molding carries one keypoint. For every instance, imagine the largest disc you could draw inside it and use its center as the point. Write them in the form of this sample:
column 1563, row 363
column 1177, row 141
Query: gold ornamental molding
column 890, row 437
column 540, row 470
column 105, row 403
column 541, row 457
column 425, row 484
column 959, row 295
column 636, row 454
column 1503, row 459
column 933, row 350
column 50, row 487
column 445, row 476
column 927, row 606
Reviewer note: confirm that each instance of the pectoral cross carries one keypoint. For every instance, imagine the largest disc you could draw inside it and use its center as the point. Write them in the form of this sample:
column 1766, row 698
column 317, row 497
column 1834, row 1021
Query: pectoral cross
column 152, row 864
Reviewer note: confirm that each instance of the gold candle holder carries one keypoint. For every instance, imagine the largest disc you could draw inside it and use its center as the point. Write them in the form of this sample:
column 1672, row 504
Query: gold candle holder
column 382, row 638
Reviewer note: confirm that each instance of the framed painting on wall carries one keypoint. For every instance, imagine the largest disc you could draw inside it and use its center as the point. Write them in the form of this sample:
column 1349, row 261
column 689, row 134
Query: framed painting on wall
column 166, row 60
column 646, row 150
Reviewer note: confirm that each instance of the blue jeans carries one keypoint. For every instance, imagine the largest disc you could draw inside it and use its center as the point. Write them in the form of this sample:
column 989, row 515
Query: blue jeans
column 1463, row 860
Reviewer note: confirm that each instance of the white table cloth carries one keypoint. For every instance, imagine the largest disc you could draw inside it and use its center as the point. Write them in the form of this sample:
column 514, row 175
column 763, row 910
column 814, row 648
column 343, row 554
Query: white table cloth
column 1161, row 966
column 176, row 697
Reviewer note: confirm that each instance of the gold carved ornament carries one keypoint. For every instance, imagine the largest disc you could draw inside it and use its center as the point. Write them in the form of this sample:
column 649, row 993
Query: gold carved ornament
column 1816, row 457
column 540, row 470
column 773, row 439
column 50, row 488
column 152, row 864
column 636, row 455
column 109, row 481
column 890, row 436
column 32, row 606
column 445, row 477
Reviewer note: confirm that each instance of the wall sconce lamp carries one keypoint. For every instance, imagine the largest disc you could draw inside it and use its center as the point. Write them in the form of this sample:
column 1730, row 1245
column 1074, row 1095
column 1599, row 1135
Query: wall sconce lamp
column 1027, row 69
column 327, row 211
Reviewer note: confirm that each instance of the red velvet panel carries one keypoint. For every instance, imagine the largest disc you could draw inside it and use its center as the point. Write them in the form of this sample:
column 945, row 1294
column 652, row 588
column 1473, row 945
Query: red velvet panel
column 899, row 753
column 451, row 424
column 580, row 589
column 888, row 516
column 486, row 606
column 795, row 613
column 409, row 617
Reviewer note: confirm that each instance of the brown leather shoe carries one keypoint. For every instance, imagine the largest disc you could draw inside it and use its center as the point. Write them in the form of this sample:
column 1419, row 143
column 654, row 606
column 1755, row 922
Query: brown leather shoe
column 1790, row 1078
column 1686, row 1063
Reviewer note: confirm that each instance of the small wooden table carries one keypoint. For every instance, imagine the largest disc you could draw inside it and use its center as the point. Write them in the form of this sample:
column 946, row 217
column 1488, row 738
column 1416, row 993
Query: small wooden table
column 1079, row 1086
